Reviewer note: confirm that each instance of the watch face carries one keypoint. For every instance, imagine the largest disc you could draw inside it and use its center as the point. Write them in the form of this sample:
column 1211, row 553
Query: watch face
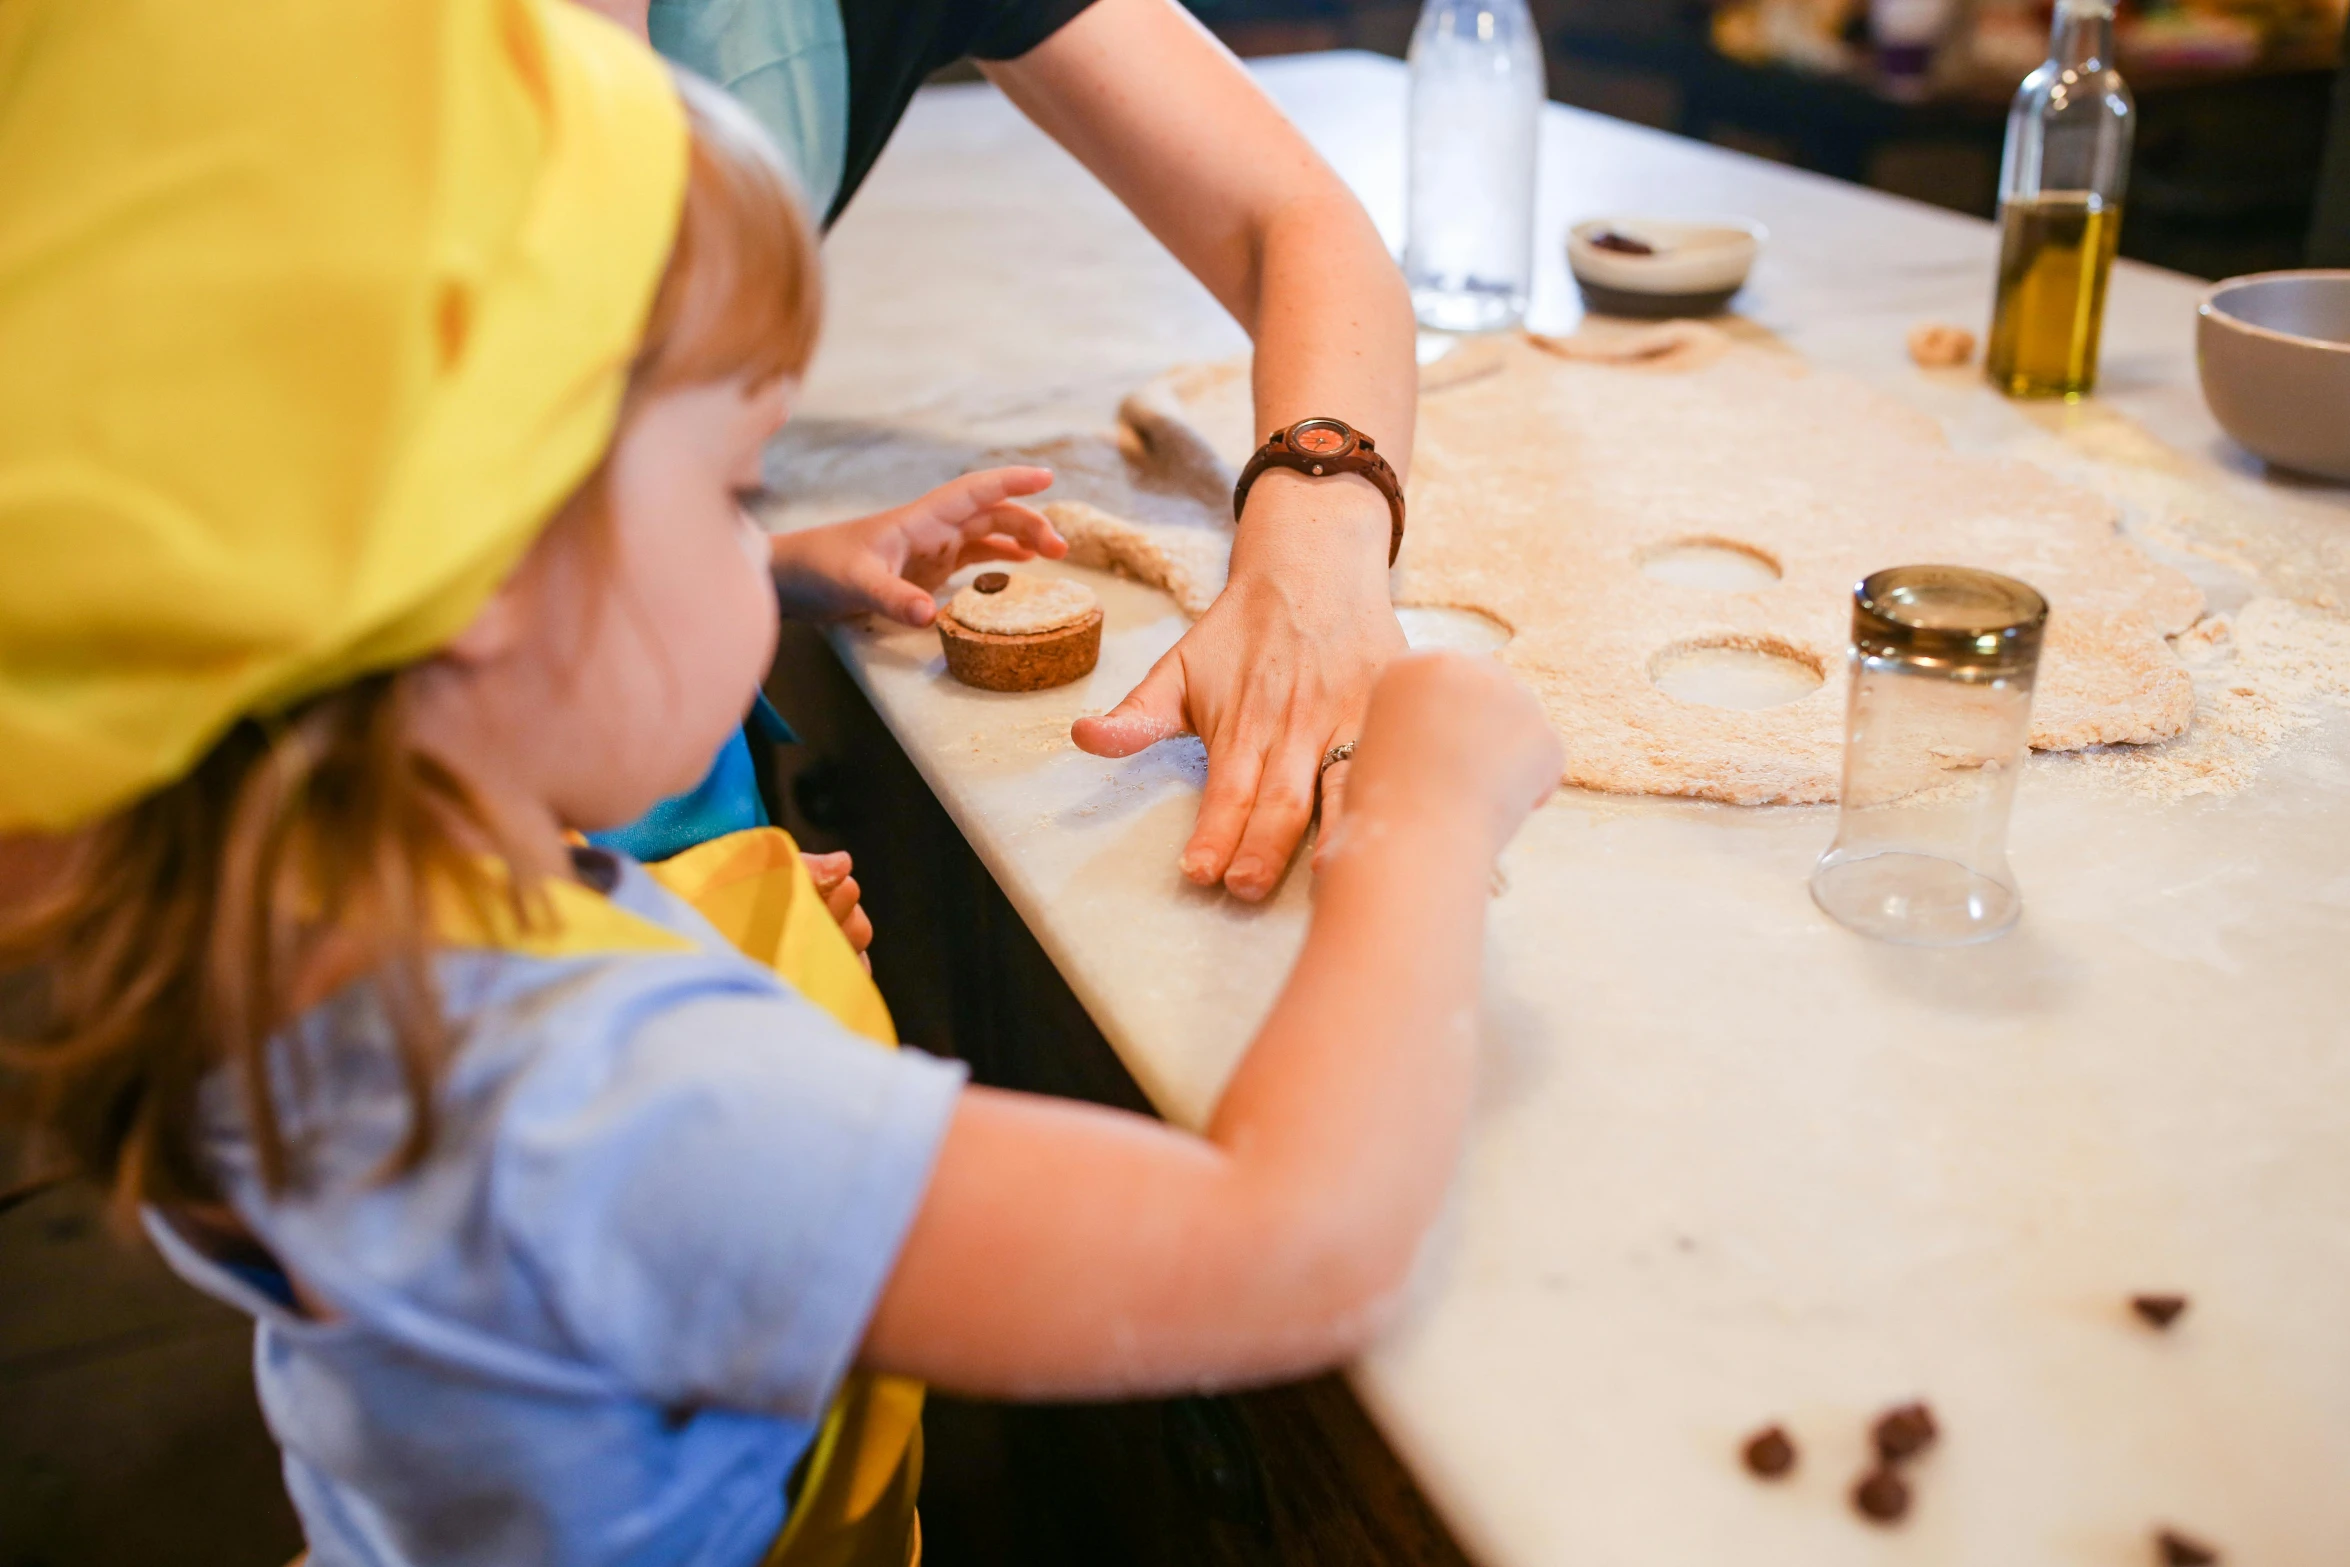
column 1319, row 438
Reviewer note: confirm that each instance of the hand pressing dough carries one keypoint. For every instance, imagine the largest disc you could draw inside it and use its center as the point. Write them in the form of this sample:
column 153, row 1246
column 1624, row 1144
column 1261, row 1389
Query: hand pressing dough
column 1542, row 483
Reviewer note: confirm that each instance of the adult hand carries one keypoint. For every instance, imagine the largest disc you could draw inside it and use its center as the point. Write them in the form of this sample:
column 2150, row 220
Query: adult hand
column 1272, row 677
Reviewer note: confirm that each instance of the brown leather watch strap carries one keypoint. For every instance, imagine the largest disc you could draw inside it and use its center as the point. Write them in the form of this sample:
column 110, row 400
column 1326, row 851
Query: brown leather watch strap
column 1321, row 447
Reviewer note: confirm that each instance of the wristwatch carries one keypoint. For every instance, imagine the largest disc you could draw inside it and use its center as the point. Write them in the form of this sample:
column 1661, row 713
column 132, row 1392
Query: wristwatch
column 1325, row 446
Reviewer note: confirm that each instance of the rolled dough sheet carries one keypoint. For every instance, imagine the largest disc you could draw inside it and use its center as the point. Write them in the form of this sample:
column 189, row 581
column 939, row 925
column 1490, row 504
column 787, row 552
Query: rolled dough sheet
column 1548, row 472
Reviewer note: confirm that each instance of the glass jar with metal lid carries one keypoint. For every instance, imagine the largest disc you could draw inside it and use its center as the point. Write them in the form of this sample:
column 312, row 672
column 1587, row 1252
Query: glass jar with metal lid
column 1936, row 725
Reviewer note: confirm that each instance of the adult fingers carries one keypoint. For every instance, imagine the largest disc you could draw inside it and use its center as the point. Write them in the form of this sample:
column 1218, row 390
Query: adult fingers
column 1152, row 711
column 1235, row 768
column 1333, row 808
column 1277, row 817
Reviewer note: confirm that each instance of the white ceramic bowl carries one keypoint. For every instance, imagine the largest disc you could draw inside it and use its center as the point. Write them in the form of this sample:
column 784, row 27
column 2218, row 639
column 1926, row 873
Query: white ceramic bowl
column 1697, row 264
column 2273, row 353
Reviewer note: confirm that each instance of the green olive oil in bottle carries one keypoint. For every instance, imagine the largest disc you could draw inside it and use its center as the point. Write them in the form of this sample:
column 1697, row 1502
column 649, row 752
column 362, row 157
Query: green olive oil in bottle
column 2061, row 182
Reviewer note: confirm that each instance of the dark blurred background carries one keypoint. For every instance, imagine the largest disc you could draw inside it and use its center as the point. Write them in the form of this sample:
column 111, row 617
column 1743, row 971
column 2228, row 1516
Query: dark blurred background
column 2232, row 96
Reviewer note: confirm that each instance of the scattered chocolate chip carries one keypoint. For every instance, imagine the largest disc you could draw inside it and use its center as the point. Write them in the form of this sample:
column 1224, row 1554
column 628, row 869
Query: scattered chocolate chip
column 2180, row 1551
column 1624, row 244
column 1903, row 1432
column 2159, row 1310
column 1770, row 1452
column 992, row 581
column 1881, row 1496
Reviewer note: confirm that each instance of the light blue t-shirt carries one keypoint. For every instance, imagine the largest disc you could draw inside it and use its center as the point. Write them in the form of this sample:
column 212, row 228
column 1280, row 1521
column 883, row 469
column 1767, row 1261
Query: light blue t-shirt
column 603, row 1319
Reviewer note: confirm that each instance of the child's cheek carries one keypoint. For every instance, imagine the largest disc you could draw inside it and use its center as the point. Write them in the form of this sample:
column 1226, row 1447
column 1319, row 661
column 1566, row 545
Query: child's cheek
column 754, row 542
column 759, row 590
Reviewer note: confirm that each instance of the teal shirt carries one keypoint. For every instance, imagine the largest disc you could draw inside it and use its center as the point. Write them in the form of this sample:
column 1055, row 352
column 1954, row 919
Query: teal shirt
column 787, row 61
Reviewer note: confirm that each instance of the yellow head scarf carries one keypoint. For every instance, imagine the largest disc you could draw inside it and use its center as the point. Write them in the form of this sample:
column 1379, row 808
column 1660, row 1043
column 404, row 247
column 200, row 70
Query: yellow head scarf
column 311, row 313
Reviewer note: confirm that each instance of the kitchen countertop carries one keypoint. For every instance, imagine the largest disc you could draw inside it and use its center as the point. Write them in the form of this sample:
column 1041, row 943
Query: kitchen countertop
column 1731, row 1163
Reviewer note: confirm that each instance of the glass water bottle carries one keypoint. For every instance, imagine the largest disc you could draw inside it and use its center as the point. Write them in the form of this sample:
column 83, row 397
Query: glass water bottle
column 1476, row 116
column 1935, row 729
column 2061, row 181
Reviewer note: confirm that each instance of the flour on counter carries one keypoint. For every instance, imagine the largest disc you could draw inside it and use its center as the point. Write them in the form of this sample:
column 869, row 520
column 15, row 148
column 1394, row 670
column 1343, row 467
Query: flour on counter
column 2261, row 675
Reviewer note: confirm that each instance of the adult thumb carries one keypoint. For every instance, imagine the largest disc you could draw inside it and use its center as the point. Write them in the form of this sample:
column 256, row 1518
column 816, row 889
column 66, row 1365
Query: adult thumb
column 1152, row 711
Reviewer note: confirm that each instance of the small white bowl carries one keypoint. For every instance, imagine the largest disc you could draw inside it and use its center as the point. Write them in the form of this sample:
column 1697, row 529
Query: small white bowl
column 1693, row 270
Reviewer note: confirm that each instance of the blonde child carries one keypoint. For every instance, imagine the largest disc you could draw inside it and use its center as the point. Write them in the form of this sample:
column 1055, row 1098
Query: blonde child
column 382, row 381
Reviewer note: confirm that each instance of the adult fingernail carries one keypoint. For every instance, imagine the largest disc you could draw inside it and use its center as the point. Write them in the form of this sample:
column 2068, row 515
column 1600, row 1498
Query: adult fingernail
column 1244, row 874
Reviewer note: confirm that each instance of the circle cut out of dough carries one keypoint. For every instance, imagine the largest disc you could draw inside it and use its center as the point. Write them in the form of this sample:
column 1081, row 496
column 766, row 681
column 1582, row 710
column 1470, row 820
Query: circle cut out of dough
column 1714, row 565
column 1742, row 676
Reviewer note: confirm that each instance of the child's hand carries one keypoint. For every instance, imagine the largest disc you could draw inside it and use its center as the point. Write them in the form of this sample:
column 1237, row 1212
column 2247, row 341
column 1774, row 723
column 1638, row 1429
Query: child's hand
column 841, row 897
column 888, row 563
column 1448, row 732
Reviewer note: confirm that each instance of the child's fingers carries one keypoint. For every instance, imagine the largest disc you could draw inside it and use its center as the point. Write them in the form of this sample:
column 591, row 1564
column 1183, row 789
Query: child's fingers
column 840, row 899
column 977, row 492
column 907, row 603
column 994, row 547
column 859, row 930
column 1024, row 525
column 827, row 870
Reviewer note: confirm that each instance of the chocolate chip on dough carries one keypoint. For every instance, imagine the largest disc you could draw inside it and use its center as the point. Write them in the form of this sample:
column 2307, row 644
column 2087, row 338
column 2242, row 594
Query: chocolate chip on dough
column 2159, row 1310
column 1622, row 244
column 2180, row 1551
column 1903, row 1432
column 1770, row 1452
column 1881, row 1496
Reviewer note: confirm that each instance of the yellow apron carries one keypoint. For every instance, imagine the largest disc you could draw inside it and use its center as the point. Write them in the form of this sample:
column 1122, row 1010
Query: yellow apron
column 853, row 1500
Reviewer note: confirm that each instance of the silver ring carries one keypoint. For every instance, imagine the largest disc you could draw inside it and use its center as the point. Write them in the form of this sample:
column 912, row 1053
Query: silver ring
column 1336, row 754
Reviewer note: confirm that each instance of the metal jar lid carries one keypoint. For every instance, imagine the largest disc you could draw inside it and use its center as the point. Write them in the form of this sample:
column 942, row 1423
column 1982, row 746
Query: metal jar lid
column 1951, row 617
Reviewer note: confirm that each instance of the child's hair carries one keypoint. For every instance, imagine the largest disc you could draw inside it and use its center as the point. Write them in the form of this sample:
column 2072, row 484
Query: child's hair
column 171, row 938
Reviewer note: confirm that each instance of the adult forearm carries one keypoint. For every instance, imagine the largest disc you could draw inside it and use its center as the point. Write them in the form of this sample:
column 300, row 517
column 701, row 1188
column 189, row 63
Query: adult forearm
column 1333, row 325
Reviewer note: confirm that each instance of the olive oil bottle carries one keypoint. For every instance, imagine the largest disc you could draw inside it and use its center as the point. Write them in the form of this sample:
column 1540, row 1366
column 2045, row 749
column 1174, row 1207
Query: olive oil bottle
column 2061, row 182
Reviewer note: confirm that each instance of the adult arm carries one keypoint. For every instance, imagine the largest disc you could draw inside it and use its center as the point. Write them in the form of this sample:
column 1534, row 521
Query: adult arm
column 1280, row 667
column 1062, row 1250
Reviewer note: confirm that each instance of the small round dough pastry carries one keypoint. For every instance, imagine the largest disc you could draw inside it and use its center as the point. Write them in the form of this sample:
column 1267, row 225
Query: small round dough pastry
column 1938, row 346
column 1012, row 633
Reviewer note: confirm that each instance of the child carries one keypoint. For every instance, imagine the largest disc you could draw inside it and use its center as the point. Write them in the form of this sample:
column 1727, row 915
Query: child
column 375, row 531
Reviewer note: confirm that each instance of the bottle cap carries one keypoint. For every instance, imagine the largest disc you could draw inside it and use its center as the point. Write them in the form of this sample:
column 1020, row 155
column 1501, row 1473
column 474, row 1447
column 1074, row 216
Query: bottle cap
column 1949, row 617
